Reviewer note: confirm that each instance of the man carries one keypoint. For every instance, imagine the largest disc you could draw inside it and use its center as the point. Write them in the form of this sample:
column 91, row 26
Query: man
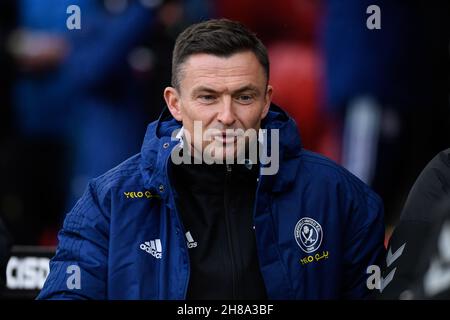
column 167, row 225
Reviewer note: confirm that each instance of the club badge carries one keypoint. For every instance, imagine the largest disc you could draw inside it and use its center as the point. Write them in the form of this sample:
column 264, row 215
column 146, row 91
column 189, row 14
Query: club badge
column 308, row 234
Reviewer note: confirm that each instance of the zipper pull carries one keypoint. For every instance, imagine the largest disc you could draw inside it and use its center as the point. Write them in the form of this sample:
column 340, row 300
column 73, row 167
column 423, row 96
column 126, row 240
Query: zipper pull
column 229, row 168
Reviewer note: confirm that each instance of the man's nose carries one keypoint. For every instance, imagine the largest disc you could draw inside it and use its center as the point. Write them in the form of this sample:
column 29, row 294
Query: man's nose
column 226, row 115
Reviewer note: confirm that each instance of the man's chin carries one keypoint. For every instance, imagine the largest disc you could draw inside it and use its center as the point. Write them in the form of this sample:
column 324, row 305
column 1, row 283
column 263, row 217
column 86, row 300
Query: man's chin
column 221, row 153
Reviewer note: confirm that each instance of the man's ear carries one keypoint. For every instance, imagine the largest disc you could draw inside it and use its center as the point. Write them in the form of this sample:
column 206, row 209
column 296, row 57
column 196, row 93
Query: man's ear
column 173, row 102
column 268, row 101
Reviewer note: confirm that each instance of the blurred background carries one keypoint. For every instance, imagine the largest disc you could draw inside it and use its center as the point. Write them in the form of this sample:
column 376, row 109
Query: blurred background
column 75, row 103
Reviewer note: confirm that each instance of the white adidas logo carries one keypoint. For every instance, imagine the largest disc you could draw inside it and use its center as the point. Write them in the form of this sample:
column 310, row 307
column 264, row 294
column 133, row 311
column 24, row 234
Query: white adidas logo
column 153, row 247
column 190, row 241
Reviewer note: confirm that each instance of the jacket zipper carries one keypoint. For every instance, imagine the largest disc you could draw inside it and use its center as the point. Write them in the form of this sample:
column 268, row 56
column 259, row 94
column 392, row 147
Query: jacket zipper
column 171, row 199
column 228, row 230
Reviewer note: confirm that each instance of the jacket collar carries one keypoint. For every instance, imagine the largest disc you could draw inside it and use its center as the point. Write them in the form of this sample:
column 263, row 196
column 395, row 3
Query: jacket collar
column 158, row 144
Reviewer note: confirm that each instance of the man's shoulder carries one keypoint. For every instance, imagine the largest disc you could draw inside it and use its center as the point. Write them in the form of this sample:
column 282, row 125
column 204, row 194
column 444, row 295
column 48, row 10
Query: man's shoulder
column 324, row 171
column 321, row 165
column 437, row 171
column 431, row 187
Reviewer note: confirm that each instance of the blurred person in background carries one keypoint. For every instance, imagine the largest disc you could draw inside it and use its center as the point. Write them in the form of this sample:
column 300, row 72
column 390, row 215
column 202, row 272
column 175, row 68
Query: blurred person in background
column 82, row 97
column 389, row 87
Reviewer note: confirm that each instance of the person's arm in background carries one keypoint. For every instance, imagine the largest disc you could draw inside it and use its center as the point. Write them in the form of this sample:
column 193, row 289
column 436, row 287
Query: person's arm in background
column 420, row 215
column 37, row 52
column 79, row 268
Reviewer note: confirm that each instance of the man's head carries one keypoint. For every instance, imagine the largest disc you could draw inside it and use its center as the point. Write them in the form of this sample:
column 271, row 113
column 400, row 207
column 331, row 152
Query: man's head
column 220, row 76
column 220, row 38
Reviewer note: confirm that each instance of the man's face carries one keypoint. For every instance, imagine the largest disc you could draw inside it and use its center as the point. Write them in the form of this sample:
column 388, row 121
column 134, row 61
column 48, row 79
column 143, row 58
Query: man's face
column 222, row 93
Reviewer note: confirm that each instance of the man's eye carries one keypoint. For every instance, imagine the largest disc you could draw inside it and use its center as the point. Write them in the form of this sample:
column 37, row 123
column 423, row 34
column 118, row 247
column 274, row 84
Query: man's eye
column 245, row 98
column 207, row 98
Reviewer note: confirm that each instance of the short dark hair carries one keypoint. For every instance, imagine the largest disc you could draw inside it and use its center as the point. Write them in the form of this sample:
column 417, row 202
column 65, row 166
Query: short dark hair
column 220, row 37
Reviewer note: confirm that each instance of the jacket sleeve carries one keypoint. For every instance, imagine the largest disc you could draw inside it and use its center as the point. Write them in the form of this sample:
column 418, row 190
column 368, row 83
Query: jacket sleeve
column 365, row 246
column 79, row 268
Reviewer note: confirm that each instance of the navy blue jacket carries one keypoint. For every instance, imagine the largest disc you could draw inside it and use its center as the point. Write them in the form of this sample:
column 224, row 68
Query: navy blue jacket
column 317, row 228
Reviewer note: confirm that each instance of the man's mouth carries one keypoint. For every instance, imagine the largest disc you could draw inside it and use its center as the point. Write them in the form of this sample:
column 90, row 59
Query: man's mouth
column 225, row 138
